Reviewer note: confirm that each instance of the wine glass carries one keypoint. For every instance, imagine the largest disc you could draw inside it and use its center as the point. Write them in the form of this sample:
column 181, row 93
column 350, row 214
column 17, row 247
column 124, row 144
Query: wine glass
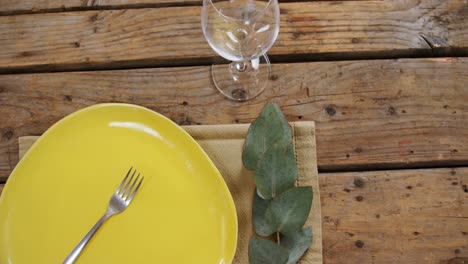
column 241, row 31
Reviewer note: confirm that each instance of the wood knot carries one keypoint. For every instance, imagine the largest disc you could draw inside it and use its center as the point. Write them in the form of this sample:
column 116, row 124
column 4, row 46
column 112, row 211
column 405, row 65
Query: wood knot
column 239, row 94
column 358, row 150
column 274, row 77
column 409, row 187
column 184, row 103
column 297, row 35
column 330, row 110
column 391, row 111
column 27, row 54
column 359, row 244
column 8, row 135
column 93, row 18
column 67, row 98
column 358, row 182
column 416, row 233
column 355, row 40
column 359, row 198
column 77, row 44
column 186, row 121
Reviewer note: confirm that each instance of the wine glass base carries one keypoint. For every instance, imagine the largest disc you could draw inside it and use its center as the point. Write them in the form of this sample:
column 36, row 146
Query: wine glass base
column 241, row 81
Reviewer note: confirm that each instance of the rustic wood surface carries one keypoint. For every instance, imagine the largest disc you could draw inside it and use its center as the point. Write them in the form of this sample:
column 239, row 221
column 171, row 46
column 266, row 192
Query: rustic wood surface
column 408, row 216
column 369, row 114
column 9, row 7
column 173, row 35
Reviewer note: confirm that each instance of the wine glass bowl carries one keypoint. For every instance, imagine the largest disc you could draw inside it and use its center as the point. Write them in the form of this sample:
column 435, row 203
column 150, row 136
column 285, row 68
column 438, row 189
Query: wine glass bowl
column 241, row 31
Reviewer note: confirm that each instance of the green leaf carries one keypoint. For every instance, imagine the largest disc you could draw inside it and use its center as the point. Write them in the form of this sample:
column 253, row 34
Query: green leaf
column 297, row 243
column 262, row 251
column 276, row 171
column 262, row 226
column 290, row 210
column 270, row 128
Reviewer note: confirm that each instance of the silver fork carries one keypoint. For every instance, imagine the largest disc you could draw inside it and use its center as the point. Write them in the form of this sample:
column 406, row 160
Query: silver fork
column 118, row 202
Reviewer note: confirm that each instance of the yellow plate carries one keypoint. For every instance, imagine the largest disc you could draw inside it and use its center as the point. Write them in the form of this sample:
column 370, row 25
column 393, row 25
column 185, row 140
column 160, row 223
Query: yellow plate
column 183, row 212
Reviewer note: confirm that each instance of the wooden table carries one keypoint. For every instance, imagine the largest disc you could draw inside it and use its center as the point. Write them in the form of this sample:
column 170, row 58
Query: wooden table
column 386, row 82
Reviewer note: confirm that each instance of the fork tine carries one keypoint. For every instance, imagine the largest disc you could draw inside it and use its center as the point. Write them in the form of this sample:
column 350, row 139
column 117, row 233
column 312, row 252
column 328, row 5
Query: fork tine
column 130, row 189
column 125, row 188
column 122, row 183
column 136, row 189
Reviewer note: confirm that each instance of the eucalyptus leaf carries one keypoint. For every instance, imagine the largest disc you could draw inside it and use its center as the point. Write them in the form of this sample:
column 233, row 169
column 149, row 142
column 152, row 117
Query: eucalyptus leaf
column 263, row 251
column 297, row 243
column 262, row 226
column 290, row 209
column 276, row 171
column 270, row 128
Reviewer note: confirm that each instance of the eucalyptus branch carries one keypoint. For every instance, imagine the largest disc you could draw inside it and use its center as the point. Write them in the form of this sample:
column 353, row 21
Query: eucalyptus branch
column 280, row 209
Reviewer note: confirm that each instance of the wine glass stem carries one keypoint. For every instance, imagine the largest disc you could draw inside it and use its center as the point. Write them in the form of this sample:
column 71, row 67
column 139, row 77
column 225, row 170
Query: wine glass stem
column 240, row 66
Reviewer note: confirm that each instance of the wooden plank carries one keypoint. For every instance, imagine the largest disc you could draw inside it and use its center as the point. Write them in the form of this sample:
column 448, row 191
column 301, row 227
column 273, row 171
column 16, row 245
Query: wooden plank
column 369, row 114
column 8, row 7
column 411, row 216
column 173, row 36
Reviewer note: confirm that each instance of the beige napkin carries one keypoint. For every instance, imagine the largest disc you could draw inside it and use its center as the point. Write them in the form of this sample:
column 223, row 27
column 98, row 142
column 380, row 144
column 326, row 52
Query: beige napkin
column 224, row 144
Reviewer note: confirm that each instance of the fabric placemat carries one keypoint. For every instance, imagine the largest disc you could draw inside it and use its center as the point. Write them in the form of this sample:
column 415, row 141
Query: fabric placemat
column 224, row 145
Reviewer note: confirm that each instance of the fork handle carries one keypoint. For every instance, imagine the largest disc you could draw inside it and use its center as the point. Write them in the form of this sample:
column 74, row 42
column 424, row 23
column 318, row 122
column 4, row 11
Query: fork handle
column 77, row 250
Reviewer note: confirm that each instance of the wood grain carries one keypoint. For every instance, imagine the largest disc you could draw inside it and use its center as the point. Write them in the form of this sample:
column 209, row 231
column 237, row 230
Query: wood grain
column 8, row 7
column 408, row 216
column 369, row 114
column 109, row 39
